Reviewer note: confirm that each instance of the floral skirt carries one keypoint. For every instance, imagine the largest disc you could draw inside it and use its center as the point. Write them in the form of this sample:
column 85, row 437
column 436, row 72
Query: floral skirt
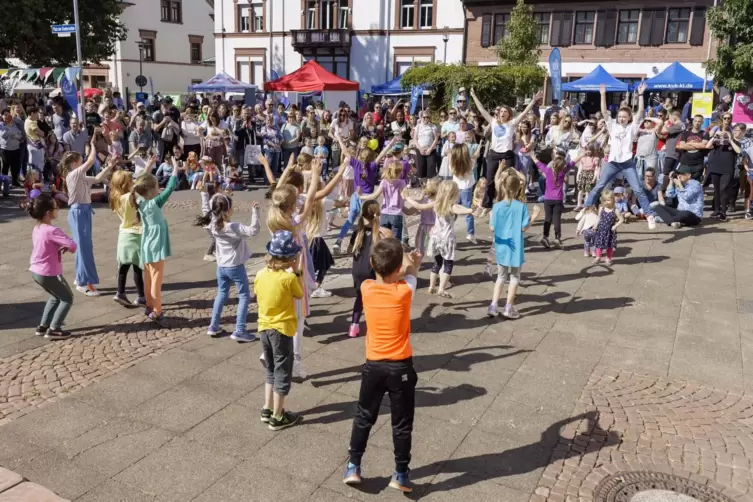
column 586, row 181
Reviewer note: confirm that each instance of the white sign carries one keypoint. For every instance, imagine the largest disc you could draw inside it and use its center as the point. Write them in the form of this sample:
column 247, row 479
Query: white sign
column 252, row 154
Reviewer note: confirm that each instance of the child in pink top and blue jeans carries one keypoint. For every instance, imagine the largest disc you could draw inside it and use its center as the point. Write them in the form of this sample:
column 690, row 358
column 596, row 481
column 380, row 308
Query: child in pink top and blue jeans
column 391, row 189
column 49, row 243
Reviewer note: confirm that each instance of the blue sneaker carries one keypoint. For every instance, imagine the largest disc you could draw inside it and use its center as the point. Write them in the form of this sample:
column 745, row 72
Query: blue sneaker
column 352, row 474
column 243, row 337
column 212, row 331
column 401, row 481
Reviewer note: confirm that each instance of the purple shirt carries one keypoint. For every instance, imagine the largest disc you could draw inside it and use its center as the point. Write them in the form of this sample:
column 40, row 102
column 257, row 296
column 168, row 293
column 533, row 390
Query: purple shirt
column 554, row 187
column 392, row 198
column 365, row 179
column 47, row 243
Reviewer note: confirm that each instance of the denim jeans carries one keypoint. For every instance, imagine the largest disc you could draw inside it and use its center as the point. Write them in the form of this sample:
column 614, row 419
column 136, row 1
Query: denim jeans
column 353, row 211
column 609, row 172
column 466, row 199
column 395, row 223
column 274, row 163
column 227, row 276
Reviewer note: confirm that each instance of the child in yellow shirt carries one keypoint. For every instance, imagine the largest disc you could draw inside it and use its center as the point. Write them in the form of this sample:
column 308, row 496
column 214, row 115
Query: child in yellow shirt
column 277, row 286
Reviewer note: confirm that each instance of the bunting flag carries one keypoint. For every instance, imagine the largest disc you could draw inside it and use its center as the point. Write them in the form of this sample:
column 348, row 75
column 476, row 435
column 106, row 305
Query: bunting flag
column 44, row 73
column 72, row 73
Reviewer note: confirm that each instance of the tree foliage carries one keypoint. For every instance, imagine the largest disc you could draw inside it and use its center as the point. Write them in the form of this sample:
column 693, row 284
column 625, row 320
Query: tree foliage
column 521, row 45
column 494, row 85
column 25, row 32
column 731, row 24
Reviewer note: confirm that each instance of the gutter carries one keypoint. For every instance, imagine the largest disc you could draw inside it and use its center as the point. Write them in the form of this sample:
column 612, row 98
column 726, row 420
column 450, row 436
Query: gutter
column 465, row 34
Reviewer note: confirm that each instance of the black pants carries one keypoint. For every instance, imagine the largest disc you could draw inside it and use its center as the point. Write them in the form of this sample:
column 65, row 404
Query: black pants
column 670, row 215
column 138, row 278
column 426, row 166
column 492, row 166
column 553, row 214
column 398, row 378
column 669, row 165
column 722, row 184
column 440, row 264
column 12, row 163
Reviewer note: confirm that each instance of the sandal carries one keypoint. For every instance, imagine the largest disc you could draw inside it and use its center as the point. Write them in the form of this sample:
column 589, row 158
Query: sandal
column 596, row 261
column 608, row 262
column 444, row 294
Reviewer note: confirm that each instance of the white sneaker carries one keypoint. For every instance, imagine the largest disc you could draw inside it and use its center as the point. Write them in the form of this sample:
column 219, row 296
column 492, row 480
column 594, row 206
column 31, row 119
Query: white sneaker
column 87, row 291
column 336, row 248
column 299, row 371
column 676, row 225
column 492, row 311
column 651, row 222
column 321, row 293
column 471, row 238
column 209, row 257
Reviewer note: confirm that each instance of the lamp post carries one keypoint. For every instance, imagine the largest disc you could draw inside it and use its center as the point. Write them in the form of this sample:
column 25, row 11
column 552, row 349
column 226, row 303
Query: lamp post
column 142, row 47
column 80, row 111
column 445, row 39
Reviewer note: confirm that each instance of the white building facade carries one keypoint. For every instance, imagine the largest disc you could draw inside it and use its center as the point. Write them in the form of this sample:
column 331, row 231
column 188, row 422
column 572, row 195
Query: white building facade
column 176, row 37
column 367, row 41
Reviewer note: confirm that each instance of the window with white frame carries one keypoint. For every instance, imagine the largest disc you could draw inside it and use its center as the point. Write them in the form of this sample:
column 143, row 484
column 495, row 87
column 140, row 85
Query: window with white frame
column 407, row 14
column 426, row 18
column 257, row 17
column 344, row 14
column 249, row 70
column 244, row 18
column 328, row 14
column 311, row 16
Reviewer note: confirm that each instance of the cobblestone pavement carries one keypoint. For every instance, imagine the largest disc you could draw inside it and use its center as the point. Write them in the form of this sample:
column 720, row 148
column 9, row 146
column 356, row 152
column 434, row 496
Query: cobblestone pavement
column 642, row 369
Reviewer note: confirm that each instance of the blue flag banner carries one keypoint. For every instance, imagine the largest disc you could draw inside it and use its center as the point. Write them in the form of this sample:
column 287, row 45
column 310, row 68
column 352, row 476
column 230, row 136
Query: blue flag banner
column 555, row 72
column 415, row 93
column 69, row 93
column 151, row 85
column 273, row 75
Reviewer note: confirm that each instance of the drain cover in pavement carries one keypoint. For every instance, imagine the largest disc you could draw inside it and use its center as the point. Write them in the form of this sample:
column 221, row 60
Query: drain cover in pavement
column 643, row 486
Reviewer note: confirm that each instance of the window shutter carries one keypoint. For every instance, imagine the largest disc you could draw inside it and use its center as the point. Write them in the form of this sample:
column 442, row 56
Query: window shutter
column 647, row 18
column 554, row 38
column 610, row 30
column 486, row 30
column 657, row 28
column 566, row 34
column 698, row 27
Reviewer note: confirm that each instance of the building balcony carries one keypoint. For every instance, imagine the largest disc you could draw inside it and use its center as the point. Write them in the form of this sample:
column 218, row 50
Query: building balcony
column 305, row 41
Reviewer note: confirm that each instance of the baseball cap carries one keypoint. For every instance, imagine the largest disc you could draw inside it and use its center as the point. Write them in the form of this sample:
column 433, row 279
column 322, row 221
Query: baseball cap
column 619, row 190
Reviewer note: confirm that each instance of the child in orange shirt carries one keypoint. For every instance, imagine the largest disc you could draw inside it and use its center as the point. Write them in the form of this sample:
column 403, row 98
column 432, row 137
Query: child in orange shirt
column 389, row 363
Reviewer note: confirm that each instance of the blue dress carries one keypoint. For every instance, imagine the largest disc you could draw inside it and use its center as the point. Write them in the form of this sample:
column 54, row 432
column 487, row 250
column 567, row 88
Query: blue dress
column 605, row 237
column 508, row 220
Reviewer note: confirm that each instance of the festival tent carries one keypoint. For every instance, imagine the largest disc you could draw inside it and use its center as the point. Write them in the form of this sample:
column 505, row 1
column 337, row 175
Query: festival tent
column 222, row 82
column 313, row 77
column 391, row 88
column 593, row 82
column 676, row 77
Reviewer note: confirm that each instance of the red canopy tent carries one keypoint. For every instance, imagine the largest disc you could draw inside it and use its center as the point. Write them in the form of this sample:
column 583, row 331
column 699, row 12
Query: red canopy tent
column 310, row 77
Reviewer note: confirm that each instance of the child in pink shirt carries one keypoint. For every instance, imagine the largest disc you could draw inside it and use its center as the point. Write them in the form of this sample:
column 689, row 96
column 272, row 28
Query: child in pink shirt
column 49, row 244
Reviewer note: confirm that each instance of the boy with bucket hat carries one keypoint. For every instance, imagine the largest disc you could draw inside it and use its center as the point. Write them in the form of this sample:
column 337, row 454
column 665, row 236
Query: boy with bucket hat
column 276, row 287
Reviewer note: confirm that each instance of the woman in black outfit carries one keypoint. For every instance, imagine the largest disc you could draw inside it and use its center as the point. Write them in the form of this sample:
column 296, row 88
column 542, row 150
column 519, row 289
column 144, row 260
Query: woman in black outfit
column 722, row 161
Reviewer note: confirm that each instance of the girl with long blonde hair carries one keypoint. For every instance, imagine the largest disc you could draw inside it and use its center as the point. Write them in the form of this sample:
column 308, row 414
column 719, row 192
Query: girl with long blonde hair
column 155, row 241
column 443, row 241
column 462, row 175
column 390, row 189
column 129, row 238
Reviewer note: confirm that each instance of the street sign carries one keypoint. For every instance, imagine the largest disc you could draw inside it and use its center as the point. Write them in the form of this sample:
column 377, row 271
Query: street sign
column 63, row 30
column 141, row 80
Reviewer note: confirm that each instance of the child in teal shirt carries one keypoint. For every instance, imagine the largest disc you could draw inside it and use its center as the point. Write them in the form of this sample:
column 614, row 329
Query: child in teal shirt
column 155, row 241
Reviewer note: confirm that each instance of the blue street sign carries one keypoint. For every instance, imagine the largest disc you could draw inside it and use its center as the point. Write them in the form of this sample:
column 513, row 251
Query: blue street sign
column 64, row 28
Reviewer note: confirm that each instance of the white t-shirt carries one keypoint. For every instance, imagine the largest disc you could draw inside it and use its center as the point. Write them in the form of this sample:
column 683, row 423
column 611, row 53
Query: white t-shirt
column 190, row 133
column 621, row 139
column 139, row 166
column 465, row 182
column 502, row 137
column 425, row 134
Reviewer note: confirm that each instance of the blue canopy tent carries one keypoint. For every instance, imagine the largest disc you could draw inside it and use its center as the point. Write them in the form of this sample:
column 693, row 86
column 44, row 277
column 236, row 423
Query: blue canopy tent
column 222, row 82
column 391, row 88
column 677, row 78
column 593, row 82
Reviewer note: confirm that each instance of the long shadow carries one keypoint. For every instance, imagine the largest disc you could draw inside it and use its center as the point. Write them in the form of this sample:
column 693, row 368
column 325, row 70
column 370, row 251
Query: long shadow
column 172, row 286
column 578, row 305
column 462, row 360
column 516, row 461
column 20, row 315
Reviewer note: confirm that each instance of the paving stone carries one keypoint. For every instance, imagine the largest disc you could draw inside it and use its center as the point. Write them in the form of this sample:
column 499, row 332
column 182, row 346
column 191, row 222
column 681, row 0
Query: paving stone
column 29, row 492
column 66, row 477
column 8, row 479
column 112, row 491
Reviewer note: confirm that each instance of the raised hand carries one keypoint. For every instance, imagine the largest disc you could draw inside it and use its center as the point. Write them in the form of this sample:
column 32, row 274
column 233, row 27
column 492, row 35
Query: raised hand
column 642, row 87
column 603, row 89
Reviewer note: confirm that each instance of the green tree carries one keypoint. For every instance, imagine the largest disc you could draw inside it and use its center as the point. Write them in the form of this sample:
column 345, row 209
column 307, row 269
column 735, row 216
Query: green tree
column 521, row 45
column 26, row 34
column 731, row 25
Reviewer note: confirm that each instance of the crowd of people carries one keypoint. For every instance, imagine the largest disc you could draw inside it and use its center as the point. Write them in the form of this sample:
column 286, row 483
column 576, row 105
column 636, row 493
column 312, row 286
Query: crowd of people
column 377, row 166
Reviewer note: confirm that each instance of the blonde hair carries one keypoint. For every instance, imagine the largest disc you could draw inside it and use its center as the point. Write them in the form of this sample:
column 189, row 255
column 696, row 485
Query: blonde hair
column 606, row 196
column 432, row 187
column 447, row 195
column 368, row 220
column 393, row 170
column 121, row 183
column 510, row 188
column 68, row 159
column 146, row 185
column 276, row 263
column 460, row 160
column 304, row 162
column 503, row 187
column 284, row 199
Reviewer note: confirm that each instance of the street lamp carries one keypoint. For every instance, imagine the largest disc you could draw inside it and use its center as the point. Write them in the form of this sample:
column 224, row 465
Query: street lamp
column 445, row 39
column 142, row 48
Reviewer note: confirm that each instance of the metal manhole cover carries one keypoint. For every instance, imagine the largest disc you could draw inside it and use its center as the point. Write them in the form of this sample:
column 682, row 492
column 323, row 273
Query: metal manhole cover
column 626, row 487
